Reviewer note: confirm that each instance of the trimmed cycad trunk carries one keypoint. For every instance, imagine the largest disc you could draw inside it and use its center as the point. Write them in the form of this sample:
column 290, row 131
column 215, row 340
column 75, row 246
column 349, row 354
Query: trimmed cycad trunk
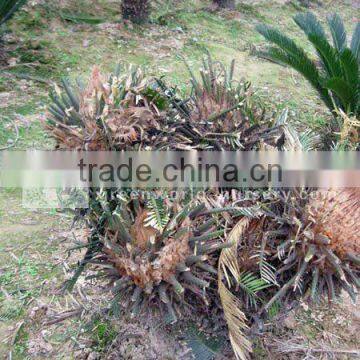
column 137, row 11
column 229, row 4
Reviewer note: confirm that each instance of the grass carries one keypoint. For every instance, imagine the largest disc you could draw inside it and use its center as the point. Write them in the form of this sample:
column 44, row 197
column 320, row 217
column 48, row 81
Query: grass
column 28, row 246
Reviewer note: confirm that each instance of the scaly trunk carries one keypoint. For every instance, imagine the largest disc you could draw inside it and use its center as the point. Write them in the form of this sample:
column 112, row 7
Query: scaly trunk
column 229, row 4
column 136, row 11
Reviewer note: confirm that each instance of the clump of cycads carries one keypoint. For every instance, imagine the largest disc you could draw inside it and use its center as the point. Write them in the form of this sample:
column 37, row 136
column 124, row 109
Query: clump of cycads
column 156, row 252
column 222, row 113
column 311, row 242
column 115, row 113
column 129, row 111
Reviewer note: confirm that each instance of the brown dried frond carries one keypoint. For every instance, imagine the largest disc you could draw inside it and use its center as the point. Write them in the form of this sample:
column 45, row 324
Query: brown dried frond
column 68, row 137
column 128, row 125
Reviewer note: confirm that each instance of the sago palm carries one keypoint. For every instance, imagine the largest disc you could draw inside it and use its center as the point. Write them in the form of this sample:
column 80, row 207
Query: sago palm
column 154, row 251
column 336, row 75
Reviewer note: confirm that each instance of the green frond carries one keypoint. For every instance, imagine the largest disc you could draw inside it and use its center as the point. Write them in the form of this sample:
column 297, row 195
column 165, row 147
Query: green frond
column 252, row 284
column 344, row 91
column 8, row 8
column 310, row 24
column 350, row 68
column 202, row 347
column 337, row 62
column 338, row 31
column 158, row 215
column 284, row 42
column 274, row 309
column 328, row 55
column 355, row 42
column 306, row 67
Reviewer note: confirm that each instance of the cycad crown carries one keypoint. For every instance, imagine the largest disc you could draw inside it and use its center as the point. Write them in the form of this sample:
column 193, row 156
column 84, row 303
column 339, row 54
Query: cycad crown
column 154, row 250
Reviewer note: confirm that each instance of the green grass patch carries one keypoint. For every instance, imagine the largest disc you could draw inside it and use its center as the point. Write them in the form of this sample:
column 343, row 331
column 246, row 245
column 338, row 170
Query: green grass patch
column 249, row 10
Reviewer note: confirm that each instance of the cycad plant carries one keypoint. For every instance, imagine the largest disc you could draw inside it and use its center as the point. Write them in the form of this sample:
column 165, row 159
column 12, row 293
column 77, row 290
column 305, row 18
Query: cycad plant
column 114, row 113
column 156, row 252
column 137, row 11
column 288, row 246
column 308, row 244
column 129, row 111
column 335, row 76
column 222, row 113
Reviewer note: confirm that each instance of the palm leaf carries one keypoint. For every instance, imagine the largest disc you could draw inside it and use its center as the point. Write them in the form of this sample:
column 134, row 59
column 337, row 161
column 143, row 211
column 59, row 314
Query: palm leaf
column 306, row 141
column 355, row 43
column 310, row 24
column 306, row 67
column 327, row 54
column 343, row 91
column 285, row 43
column 202, row 348
column 315, row 33
column 350, row 68
column 267, row 272
column 340, row 64
column 229, row 260
column 236, row 322
column 338, row 31
column 251, row 285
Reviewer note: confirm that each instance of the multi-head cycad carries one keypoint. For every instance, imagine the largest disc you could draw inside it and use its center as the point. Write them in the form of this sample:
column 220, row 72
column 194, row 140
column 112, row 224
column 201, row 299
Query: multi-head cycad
column 157, row 251
column 114, row 113
column 221, row 113
column 311, row 242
